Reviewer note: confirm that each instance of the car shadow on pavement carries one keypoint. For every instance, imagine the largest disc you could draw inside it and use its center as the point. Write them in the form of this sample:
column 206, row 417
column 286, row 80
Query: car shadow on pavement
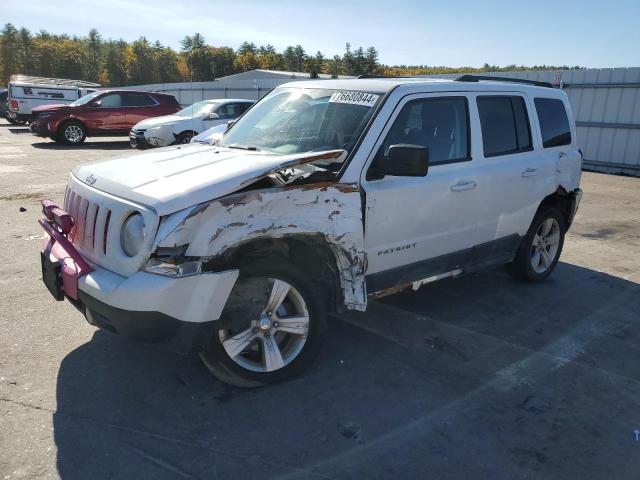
column 478, row 377
column 19, row 131
column 96, row 145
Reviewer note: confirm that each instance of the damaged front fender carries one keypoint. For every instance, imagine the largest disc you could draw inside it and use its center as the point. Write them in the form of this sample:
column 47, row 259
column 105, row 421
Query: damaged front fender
column 332, row 210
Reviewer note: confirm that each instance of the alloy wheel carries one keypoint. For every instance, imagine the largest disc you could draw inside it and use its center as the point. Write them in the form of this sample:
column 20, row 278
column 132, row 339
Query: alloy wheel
column 544, row 247
column 73, row 133
column 274, row 339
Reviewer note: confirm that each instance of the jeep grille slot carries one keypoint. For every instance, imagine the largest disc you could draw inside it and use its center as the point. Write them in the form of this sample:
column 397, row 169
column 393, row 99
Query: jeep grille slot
column 106, row 230
column 98, row 220
column 89, row 221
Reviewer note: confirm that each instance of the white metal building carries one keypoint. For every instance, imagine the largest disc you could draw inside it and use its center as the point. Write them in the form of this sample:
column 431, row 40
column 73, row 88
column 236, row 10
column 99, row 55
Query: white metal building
column 606, row 105
column 251, row 85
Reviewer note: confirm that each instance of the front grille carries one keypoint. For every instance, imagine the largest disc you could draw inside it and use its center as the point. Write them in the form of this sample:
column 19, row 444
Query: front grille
column 91, row 223
column 98, row 221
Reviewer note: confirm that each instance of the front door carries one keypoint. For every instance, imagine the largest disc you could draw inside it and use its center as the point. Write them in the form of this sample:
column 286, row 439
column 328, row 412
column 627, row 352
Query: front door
column 107, row 115
column 417, row 227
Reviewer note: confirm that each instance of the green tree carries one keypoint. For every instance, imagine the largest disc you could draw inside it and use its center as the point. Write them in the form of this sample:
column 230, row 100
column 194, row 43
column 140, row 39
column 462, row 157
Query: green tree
column 116, row 65
column 247, row 47
column 143, row 63
column 9, row 51
column 94, row 45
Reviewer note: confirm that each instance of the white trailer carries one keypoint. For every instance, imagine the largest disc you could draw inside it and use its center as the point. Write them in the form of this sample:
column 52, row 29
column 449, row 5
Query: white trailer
column 27, row 92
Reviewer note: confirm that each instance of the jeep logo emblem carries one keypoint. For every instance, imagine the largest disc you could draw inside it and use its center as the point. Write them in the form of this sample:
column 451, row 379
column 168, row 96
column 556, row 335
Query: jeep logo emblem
column 91, row 180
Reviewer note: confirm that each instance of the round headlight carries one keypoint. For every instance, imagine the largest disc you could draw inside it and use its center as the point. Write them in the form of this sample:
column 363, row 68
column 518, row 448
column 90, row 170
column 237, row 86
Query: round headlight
column 132, row 235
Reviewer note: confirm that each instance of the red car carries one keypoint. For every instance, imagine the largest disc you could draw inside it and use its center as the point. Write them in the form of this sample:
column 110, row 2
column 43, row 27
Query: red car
column 105, row 112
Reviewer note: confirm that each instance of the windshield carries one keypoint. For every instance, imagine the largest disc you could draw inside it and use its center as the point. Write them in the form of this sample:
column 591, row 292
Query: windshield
column 197, row 109
column 85, row 99
column 300, row 120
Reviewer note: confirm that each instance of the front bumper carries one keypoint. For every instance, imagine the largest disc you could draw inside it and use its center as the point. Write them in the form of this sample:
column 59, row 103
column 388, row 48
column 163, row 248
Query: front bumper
column 39, row 128
column 138, row 140
column 177, row 313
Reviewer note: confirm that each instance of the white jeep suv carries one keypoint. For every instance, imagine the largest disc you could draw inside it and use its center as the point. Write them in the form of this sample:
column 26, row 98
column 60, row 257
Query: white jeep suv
column 322, row 196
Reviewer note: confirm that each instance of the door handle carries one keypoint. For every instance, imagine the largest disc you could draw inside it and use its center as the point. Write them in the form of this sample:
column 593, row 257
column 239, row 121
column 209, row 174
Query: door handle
column 458, row 187
column 530, row 172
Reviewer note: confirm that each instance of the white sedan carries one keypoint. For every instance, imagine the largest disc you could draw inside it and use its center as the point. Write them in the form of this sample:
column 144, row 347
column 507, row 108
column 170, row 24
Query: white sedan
column 185, row 124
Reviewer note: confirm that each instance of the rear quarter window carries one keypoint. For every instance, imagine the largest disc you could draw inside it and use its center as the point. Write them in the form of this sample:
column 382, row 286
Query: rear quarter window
column 554, row 123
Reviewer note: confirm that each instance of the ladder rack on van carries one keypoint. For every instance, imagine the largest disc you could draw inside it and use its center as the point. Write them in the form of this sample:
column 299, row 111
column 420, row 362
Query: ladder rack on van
column 477, row 78
column 51, row 81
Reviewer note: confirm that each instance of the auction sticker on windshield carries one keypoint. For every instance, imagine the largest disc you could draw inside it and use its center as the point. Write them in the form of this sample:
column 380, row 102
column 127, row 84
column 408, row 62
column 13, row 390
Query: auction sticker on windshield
column 355, row 98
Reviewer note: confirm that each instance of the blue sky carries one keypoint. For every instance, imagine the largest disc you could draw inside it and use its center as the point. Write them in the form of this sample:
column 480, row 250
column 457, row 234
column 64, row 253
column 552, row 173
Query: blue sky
column 452, row 33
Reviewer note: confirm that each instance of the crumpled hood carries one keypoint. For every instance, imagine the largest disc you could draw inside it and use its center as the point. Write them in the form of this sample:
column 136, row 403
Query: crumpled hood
column 159, row 121
column 172, row 178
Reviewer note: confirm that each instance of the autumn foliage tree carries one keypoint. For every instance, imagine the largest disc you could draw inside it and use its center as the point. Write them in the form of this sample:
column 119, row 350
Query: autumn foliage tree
column 119, row 63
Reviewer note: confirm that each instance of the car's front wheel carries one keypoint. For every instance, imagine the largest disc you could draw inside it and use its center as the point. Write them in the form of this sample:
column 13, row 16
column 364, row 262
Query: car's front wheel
column 540, row 248
column 72, row 133
column 270, row 330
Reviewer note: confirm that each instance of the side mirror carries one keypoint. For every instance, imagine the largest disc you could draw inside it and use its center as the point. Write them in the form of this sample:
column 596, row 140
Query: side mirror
column 403, row 160
column 96, row 104
column 230, row 123
column 213, row 116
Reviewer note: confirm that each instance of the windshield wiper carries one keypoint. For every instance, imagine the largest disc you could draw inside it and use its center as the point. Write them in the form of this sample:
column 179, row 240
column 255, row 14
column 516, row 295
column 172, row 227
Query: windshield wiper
column 243, row 147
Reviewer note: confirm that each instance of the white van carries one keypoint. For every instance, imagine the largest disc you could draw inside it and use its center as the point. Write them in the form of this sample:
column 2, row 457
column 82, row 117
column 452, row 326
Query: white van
column 27, row 92
column 324, row 195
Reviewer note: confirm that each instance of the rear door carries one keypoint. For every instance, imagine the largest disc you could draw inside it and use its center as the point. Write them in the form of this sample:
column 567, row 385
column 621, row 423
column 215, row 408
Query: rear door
column 140, row 106
column 511, row 170
column 416, row 227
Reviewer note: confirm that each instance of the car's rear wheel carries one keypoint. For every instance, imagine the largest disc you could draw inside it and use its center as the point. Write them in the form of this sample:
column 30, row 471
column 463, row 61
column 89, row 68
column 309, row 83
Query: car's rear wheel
column 540, row 248
column 183, row 138
column 72, row 133
column 270, row 330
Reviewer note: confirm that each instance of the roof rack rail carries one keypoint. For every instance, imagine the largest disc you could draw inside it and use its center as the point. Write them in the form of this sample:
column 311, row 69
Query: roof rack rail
column 477, row 78
column 368, row 75
column 51, row 81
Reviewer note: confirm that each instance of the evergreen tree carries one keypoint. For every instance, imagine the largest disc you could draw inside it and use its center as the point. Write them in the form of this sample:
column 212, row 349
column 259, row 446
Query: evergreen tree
column 9, row 58
column 94, row 44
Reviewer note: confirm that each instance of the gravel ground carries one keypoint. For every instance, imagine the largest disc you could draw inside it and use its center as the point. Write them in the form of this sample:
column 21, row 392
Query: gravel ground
column 478, row 377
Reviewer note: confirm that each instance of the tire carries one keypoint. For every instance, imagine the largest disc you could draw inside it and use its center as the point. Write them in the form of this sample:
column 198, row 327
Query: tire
column 184, row 138
column 72, row 132
column 534, row 261
column 13, row 121
column 238, row 353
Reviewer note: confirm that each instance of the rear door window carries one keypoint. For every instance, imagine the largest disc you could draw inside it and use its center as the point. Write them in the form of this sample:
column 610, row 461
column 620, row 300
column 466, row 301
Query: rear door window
column 230, row 110
column 139, row 100
column 554, row 123
column 505, row 125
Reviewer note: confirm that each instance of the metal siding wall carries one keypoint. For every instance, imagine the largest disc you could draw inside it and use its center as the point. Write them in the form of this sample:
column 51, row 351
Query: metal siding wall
column 612, row 148
column 187, row 93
